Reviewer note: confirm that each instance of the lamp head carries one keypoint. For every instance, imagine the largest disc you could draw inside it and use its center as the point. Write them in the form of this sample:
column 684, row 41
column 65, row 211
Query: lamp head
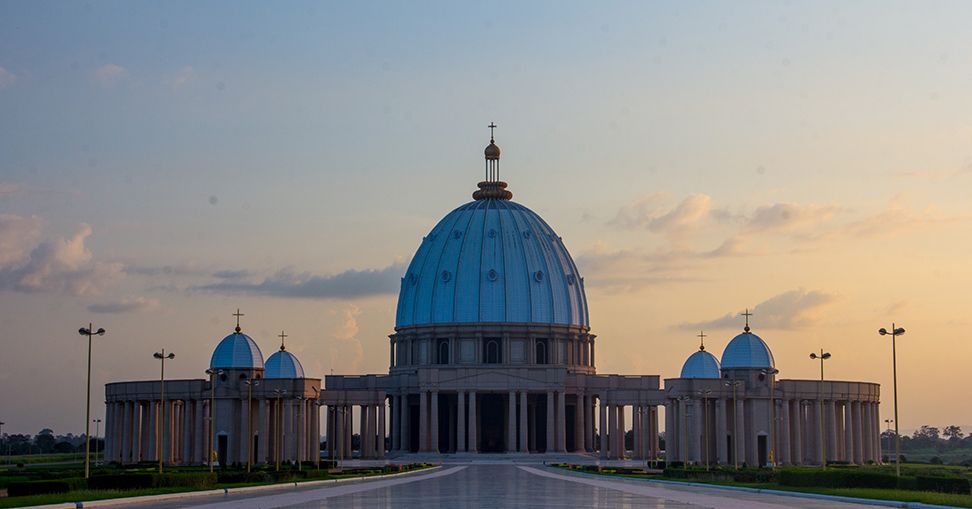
column 101, row 332
column 882, row 331
column 157, row 355
column 82, row 331
column 826, row 355
column 170, row 356
column 813, row 356
column 899, row 331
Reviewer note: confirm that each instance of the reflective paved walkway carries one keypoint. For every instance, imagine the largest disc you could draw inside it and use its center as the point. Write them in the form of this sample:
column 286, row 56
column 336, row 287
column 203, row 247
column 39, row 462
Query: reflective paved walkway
column 494, row 486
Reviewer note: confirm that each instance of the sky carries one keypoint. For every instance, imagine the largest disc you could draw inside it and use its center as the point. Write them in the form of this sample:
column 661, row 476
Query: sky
column 165, row 163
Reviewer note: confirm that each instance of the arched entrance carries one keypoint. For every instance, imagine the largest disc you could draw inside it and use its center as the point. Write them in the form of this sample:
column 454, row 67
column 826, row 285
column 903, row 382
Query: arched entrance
column 492, row 423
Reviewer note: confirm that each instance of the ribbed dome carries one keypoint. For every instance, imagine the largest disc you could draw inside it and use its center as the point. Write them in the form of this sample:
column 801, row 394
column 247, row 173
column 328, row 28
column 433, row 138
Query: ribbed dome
column 747, row 350
column 283, row 364
column 700, row 364
column 492, row 260
column 237, row 351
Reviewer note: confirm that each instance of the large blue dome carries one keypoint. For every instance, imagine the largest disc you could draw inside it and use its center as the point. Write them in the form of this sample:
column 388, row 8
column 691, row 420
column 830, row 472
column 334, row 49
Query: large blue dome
column 237, row 351
column 283, row 364
column 492, row 260
column 747, row 350
column 700, row 364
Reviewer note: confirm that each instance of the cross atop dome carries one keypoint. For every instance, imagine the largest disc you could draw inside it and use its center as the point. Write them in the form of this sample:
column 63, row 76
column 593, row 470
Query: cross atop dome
column 701, row 336
column 282, row 336
column 492, row 187
column 747, row 314
column 237, row 314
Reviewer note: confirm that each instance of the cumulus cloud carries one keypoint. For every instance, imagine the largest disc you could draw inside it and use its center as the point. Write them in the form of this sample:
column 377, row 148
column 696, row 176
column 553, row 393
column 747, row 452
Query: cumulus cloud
column 790, row 310
column 650, row 212
column 288, row 283
column 7, row 78
column 18, row 236
column 109, row 74
column 126, row 305
column 789, row 217
column 59, row 265
column 347, row 353
column 182, row 77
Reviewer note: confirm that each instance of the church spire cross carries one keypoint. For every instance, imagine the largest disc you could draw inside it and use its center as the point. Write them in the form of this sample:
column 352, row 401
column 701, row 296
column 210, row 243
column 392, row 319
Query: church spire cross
column 747, row 314
column 701, row 335
column 237, row 314
column 491, row 126
column 282, row 336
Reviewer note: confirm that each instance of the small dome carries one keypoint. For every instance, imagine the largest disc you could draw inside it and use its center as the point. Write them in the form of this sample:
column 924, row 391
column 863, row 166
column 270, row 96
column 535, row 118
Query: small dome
column 700, row 364
column 492, row 151
column 237, row 351
column 747, row 350
column 283, row 364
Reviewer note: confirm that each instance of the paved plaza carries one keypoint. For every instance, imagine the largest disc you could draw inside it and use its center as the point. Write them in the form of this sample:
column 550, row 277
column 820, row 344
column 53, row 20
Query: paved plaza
column 485, row 485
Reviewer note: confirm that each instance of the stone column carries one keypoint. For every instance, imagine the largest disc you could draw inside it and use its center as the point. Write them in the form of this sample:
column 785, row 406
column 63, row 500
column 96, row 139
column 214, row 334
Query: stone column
column 721, row 431
column 551, row 432
column 858, row 432
column 622, row 449
column 406, row 439
column 671, row 434
column 561, row 422
column 396, row 426
column 876, row 430
column 589, row 422
column 635, row 432
column 511, row 422
column 784, row 439
column 603, row 428
column 695, row 431
column 461, row 421
column 434, row 428
column 363, row 448
column 151, row 431
column 424, row 422
column 123, row 433
column 186, row 433
column 740, row 441
column 831, row 429
column 524, row 422
column 579, row 424
column 335, row 432
column 348, row 427
column 381, row 429
column 868, row 444
column 473, row 444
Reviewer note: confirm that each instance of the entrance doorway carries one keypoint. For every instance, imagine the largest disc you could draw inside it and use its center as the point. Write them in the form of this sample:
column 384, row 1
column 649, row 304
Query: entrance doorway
column 492, row 423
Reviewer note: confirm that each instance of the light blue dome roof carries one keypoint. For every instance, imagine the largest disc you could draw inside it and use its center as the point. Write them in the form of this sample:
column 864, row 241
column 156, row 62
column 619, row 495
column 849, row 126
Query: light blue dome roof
column 237, row 351
column 283, row 364
column 700, row 364
column 492, row 260
column 747, row 350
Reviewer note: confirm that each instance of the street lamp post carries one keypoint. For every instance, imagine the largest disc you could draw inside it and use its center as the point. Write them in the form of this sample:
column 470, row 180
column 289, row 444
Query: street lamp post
column 768, row 373
column 735, row 435
column 249, row 409
column 160, row 420
column 212, row 413
column 895, row 332
column 705, row 423
column 97, row 431
column 820, row 410
column 90, row 332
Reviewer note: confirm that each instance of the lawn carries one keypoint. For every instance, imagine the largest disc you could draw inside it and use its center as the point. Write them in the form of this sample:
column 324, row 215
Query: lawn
column 29, row 459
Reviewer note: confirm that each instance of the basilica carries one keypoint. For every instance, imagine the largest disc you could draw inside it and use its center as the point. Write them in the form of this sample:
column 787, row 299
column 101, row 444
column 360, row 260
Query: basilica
column 492, row 352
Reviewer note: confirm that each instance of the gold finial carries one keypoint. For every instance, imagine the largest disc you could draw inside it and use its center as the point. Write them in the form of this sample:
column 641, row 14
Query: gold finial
column 747, row 314
column 701, row 336
column 237, row 314
column 282, row 336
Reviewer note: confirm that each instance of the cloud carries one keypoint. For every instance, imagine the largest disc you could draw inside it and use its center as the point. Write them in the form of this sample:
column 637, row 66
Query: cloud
column 794, row 309
column 789, row 217
column 126, row 305
column 60, row 265
column 347, row 353
column 7, row 78
column 345, row 285
column 7, row 189
column 18, row 236
column 182, row 77
column 109, row 74
column 649, row 212
column 231, row 274
column 897, row 218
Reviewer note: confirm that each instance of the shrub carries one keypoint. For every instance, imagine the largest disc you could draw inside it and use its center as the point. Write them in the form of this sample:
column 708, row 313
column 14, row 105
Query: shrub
column 130, row 481
column 184, row 480
column 943, row 484
column 23, row 488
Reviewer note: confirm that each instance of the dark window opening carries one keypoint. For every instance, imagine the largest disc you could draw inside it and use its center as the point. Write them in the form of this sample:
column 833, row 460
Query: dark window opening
column 442, row 352
column 492, row 352
column 541, row 352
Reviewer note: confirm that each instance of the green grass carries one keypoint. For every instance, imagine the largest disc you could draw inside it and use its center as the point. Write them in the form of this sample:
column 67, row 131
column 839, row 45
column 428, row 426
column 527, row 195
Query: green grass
column 868, row 493
column 28, row 459
column 86, row 495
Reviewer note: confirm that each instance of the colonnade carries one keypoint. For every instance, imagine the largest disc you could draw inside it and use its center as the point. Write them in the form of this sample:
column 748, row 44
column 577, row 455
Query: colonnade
column 644, row 431
column 371, row 433
column 282, row 429
column 803, row 431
